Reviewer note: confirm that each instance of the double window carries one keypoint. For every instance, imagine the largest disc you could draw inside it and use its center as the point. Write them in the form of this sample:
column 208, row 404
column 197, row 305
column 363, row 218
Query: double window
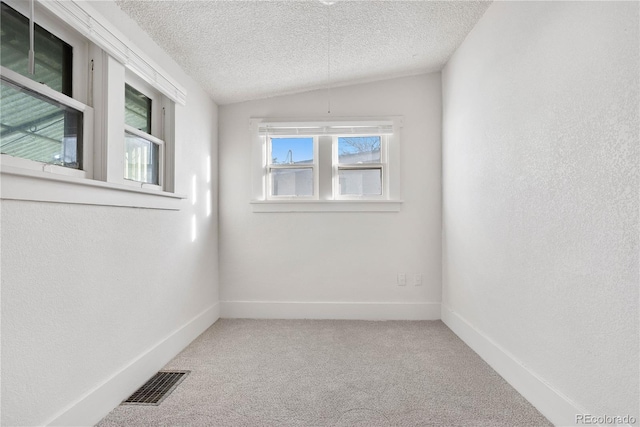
column 347, row 160
column 70, row 105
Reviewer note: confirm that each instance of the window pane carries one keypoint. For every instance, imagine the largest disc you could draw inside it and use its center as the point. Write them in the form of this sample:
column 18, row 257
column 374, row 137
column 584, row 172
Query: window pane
column 137, row 109
column 53, row 56
column 37, row 128
column 358, row 149
column 360, row 182
column 141, row 159
column 292, row 182
column 291, row 151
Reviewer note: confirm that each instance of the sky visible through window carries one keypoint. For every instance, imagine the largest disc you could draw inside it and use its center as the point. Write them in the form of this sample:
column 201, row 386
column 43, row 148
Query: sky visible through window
column 291, row 150
column 300, row 150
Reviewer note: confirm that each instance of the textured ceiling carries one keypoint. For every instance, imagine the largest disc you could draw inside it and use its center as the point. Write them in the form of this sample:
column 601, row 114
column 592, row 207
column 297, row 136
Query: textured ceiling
column 242, row 50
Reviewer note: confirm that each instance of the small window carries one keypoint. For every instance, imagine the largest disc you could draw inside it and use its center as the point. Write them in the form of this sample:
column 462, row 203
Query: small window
column 40, row 120
column 360, row 166
column 143, row 151
column 291, row 167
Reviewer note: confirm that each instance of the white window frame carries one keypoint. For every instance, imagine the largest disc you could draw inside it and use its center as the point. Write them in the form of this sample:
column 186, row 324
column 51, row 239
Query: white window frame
column 87, row 130
column 326, row 133
column 269, row 167
column 101, row 54
column 382, row 166
column 79, row 90
column 157, row 129
column 161, row 146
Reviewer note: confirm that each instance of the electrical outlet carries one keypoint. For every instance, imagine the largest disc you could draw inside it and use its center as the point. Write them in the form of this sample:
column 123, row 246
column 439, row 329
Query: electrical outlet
column 402, row 279
column 417, row 279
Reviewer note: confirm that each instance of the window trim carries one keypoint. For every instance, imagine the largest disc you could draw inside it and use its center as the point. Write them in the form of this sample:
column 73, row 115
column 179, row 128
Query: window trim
column 35, row 185
column 274, row 206
column 326, row 201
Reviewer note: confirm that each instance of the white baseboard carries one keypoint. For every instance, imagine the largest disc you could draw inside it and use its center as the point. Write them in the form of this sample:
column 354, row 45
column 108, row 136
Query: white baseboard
column 558, row 408
column 330, row 310
column 97, row 403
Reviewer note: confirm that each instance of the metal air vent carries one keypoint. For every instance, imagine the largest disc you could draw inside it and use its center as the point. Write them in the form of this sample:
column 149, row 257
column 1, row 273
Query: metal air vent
column 157, row 388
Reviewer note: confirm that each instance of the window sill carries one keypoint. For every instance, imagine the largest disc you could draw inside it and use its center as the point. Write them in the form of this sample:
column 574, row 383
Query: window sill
column 267, row 206
column 39, row 186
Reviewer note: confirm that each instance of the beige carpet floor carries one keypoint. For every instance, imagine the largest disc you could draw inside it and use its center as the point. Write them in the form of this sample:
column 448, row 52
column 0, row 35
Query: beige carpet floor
column 332, row 373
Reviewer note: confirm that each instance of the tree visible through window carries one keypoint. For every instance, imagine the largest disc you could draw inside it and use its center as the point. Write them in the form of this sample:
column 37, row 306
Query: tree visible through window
column 359, row 149
column 359, row 166
column 344, row 161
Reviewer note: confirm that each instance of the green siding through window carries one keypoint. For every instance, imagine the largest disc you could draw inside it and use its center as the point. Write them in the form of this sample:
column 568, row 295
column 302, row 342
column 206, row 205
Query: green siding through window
column 54, row 57
column 137, row 109
column 34, row 126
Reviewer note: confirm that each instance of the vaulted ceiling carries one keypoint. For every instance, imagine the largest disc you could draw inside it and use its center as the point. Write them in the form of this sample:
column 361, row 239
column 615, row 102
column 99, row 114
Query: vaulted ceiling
column 242, row 50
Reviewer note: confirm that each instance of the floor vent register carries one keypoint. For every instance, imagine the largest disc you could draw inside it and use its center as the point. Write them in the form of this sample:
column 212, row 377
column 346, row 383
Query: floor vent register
column 154, row 391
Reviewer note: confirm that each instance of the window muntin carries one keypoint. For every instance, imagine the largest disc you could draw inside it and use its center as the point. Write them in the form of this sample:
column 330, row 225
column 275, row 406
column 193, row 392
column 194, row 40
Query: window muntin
column 359, row 149
column 291, row 167
column 36, row 127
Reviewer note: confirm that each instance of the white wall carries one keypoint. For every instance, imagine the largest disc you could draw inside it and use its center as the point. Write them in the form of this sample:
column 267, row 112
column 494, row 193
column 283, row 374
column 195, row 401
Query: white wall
column 540, row 210
column 334, row 257
column 94, row 298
